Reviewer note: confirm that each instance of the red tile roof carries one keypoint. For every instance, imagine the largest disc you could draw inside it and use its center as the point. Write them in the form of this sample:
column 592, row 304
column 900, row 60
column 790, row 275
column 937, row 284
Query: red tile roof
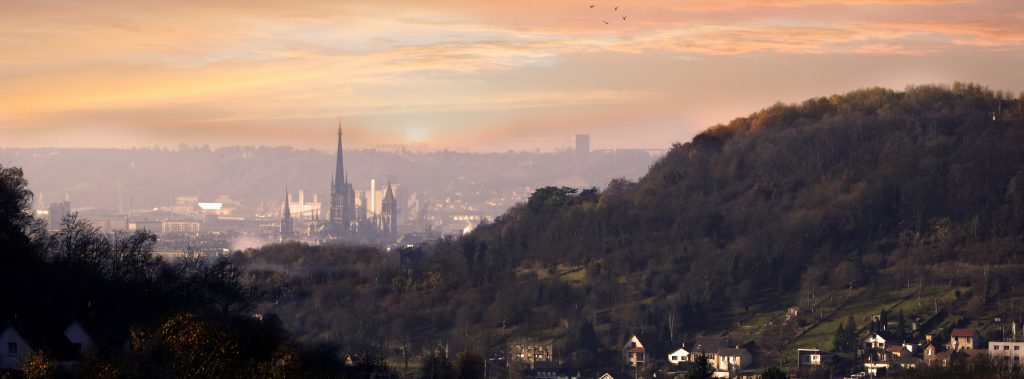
column 962, row 332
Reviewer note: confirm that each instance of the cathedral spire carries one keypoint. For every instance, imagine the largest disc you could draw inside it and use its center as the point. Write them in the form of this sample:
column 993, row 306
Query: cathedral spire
column 389, row 195
column 287, row 199
column 342, row 196
column 287, row 228
column 339, row 165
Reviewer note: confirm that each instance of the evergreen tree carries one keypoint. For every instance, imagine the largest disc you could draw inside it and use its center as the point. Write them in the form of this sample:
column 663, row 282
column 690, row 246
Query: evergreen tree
column 701, row 368
column 851, row 340
column 777, row 373
column 839, row 340
column 586, row 336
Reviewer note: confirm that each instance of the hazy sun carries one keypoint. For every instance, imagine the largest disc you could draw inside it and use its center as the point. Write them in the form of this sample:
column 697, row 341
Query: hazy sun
column 417, row 134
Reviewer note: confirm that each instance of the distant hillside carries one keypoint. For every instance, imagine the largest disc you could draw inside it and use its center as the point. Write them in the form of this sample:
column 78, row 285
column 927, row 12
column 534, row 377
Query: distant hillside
column 865, row 199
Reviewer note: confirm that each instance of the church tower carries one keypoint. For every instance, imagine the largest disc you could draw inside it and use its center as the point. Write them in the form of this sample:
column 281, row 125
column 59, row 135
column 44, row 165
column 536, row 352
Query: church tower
column 287, row 228
column 389, row 216
column 342, row 199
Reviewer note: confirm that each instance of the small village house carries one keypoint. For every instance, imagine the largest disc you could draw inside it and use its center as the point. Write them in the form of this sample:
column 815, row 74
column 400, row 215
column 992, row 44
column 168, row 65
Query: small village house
column 14, row 349
column 880, row 340
column 679, row 356
column 634, row 352
column 79, row 338
column 811, row 358
column 964, row 339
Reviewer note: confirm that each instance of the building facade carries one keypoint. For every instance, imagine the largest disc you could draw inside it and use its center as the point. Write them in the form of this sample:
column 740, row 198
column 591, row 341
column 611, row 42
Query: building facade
column 57, row 211
column 1008, row 350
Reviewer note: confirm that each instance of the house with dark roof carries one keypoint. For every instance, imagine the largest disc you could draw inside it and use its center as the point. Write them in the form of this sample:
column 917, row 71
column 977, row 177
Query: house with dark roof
column 908, row 362
column 20, row 340
column 733, row 359
column 811, row 358
column 708, row 346
column 726, row 359
column 937, row 356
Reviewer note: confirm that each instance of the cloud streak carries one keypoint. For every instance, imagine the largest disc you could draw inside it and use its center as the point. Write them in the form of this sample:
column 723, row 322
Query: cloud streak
column 262, row 61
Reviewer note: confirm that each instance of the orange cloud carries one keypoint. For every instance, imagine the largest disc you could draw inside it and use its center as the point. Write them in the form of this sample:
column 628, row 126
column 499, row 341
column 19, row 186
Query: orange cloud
column 121, row 61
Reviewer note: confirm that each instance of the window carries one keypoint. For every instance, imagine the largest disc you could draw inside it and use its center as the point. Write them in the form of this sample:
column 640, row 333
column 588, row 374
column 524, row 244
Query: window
column 1006, row 347
column 1016, row 348
column 12, row 348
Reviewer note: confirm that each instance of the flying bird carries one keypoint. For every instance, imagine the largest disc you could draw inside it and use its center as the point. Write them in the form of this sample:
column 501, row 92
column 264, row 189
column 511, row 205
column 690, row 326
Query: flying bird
column 591, row 5
column 605, row 22
column 623, row 18
column 616, row 8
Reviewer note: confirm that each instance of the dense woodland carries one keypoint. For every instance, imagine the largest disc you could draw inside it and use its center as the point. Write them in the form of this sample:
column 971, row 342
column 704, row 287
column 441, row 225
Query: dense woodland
column 149, row 318
column 874, row 189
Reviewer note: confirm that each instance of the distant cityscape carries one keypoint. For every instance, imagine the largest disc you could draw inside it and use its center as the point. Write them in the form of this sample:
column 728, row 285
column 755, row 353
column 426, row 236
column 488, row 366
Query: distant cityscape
column 361, row 210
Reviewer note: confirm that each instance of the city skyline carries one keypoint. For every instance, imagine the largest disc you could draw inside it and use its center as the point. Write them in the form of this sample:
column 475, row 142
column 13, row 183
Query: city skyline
column 474, row 77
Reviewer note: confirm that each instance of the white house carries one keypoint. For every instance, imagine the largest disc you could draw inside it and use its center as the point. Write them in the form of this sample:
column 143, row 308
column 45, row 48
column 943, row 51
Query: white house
column 14, row 349
column 879, row 340
column 808, row 358
column 679, row 356
column 634, row 353
column 79, row 338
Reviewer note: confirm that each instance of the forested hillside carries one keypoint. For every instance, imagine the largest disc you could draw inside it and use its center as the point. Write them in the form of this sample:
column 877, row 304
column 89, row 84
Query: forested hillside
column 144, row 317
column 872, row 191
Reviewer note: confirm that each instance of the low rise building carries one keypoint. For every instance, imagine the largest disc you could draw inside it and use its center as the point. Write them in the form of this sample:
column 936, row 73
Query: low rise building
column 529, row 352
column 679, row 356
column 811, row 358
column 1008, row 350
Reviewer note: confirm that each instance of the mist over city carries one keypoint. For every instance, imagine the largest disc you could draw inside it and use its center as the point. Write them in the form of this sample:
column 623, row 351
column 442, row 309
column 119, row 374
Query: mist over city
column 236, row 195
column 397, row 189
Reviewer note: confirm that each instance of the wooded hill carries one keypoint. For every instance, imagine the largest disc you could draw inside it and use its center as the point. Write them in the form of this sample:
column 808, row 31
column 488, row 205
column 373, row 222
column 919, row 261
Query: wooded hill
column 813, row 204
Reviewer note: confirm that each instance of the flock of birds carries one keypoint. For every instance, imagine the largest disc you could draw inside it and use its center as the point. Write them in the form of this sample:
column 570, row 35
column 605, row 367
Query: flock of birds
column 616, row 8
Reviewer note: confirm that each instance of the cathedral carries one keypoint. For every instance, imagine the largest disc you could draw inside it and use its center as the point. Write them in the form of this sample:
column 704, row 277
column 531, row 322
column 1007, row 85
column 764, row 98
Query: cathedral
column 348, row 221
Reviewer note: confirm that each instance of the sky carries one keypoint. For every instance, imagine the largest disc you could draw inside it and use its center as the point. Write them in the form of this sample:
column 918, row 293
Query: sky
column 466, row 75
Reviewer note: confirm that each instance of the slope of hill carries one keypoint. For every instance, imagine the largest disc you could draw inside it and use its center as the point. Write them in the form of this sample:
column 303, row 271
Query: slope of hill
column 846, row 205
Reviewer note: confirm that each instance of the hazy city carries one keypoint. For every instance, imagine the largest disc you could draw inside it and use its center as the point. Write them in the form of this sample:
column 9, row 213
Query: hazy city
column 233, row 198
column 784, row 189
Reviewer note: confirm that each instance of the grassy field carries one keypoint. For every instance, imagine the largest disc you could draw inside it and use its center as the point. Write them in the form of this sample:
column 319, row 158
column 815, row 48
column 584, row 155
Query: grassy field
column 912, row 302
